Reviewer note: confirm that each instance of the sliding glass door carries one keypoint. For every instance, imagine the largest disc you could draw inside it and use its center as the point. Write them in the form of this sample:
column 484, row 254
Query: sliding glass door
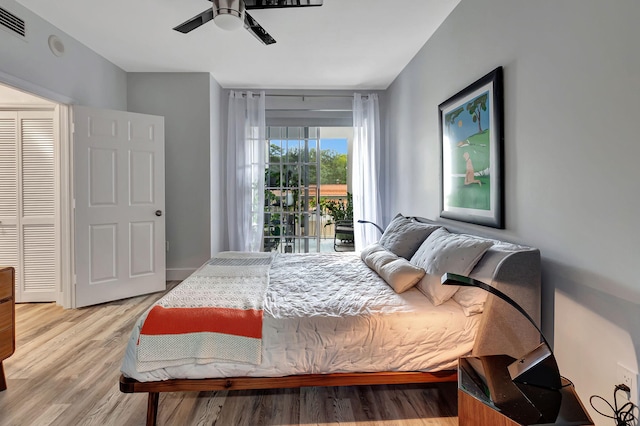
column 304, row 171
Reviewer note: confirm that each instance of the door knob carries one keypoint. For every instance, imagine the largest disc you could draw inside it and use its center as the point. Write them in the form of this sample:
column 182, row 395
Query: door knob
column 158, row 212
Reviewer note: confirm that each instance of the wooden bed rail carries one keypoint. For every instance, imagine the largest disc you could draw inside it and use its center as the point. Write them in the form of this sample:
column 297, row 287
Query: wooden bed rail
column 128, row 385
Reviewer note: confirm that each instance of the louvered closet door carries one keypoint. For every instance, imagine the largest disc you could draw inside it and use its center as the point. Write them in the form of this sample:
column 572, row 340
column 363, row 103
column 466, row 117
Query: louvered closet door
column 38, row 201
column 9, row 192
column 28, row 182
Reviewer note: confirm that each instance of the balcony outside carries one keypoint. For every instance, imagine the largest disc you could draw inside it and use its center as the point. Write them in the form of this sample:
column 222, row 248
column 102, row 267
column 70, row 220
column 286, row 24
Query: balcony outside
column 289, row 229
column 306, row 180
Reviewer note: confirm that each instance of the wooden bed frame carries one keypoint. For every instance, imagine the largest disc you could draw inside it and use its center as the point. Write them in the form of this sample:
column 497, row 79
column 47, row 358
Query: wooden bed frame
column 513, row 269
column 128, row 385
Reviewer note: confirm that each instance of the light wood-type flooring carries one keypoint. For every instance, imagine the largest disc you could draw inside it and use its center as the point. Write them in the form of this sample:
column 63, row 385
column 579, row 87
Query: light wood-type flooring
column 66, row 367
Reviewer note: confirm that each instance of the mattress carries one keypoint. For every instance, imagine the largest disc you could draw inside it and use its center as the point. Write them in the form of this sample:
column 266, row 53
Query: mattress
column 330, row 313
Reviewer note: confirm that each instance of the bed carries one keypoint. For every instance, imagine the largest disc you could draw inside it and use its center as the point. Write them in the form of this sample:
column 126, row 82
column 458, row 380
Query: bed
column 336, row 319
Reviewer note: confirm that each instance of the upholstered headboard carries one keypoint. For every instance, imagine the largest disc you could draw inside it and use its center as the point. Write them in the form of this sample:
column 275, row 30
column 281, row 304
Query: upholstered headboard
column 515, row 270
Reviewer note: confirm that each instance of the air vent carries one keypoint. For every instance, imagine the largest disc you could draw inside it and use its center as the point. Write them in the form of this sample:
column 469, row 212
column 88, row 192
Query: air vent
column 12, row 23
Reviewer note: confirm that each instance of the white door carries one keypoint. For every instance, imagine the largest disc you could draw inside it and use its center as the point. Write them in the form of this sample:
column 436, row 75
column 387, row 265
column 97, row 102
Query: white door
column 119, row 205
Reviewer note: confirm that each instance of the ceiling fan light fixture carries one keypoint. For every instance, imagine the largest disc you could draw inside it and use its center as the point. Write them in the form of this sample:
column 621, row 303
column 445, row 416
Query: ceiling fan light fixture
column 228, row 14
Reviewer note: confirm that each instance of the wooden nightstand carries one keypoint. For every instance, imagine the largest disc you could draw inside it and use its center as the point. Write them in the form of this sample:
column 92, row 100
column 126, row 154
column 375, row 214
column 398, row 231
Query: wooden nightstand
column 7, row 319
column 476, row 408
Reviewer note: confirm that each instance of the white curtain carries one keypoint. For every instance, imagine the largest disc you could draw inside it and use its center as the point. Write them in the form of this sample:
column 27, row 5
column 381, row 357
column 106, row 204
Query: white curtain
column 245, row 170
column 366, row 153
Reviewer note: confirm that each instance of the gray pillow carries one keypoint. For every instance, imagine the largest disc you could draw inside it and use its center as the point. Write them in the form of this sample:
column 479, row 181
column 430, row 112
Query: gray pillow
column 404, row 236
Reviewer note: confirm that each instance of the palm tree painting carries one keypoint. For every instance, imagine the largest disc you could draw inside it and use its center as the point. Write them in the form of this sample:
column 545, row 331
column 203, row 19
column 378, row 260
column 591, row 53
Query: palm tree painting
column 471, row 137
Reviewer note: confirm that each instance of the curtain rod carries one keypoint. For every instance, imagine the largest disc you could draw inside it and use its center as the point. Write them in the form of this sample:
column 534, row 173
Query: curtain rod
column 244, row 94
column 315, row 96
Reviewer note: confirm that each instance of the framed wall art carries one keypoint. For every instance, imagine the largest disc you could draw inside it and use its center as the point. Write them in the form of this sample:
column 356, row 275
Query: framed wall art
column 472, row 142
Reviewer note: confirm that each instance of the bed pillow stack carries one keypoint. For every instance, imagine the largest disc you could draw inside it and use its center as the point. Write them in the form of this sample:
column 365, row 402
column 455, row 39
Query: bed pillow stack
column 404, row 236
column 396, row 271
column 444, row 252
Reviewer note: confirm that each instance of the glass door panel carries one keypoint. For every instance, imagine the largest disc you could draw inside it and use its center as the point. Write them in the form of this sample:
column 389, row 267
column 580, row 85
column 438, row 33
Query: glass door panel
column 297, row 169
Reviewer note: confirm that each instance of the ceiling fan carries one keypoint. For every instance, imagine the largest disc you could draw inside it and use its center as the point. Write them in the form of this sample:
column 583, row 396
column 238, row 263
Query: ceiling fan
column 230, row 15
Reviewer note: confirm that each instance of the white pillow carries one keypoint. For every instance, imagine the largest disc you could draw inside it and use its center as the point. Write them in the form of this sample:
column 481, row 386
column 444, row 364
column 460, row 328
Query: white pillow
column 471, row 299
column 378, row 259
column 444, row 252
column 396, row 271
column 371, row 248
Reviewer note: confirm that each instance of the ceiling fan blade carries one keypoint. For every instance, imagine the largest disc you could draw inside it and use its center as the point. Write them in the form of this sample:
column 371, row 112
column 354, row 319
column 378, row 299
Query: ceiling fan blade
column 195, row 22
column 257, row 30
column 270, row 4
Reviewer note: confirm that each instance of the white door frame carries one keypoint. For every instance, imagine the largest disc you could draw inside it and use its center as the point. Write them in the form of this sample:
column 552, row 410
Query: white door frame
column 65, row 294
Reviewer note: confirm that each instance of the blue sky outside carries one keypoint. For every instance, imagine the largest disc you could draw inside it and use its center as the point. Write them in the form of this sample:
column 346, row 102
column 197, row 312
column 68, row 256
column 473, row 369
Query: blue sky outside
column 337, row 145
column 463, row 127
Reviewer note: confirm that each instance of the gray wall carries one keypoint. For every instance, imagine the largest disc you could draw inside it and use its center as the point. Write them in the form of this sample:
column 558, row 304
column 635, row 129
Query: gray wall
column 218, row 105
column 80, row 76
column 185, row 101
column 571, row 72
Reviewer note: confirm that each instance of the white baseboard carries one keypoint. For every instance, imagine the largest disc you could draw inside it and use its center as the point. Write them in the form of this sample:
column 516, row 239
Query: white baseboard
column 179, row 274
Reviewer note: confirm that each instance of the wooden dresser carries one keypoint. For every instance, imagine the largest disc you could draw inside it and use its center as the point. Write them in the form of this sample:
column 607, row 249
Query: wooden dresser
column 7, row 319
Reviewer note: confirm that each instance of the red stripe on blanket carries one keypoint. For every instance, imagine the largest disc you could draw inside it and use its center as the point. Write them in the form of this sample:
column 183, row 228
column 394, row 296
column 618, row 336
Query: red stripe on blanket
column 237, row 322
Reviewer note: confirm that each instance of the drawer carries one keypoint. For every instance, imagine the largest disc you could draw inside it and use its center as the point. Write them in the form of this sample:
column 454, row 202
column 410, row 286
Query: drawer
column 6, row 343
column 6, row 283
column 6, row 315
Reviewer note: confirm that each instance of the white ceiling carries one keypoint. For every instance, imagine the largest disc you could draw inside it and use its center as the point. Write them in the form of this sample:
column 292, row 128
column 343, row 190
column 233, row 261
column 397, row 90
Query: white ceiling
column 344, row 44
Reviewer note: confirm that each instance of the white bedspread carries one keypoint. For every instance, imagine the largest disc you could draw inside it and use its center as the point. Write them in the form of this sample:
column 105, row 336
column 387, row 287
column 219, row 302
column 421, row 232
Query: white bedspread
column 328, row 313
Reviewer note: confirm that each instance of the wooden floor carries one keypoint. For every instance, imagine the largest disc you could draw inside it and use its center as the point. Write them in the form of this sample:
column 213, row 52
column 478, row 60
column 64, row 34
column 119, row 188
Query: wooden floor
column 66, row 366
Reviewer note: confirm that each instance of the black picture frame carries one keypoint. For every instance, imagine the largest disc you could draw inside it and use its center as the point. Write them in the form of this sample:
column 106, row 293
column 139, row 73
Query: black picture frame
column 472, row 153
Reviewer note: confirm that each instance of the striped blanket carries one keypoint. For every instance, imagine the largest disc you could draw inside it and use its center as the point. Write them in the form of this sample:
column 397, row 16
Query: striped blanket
column 214, row 315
